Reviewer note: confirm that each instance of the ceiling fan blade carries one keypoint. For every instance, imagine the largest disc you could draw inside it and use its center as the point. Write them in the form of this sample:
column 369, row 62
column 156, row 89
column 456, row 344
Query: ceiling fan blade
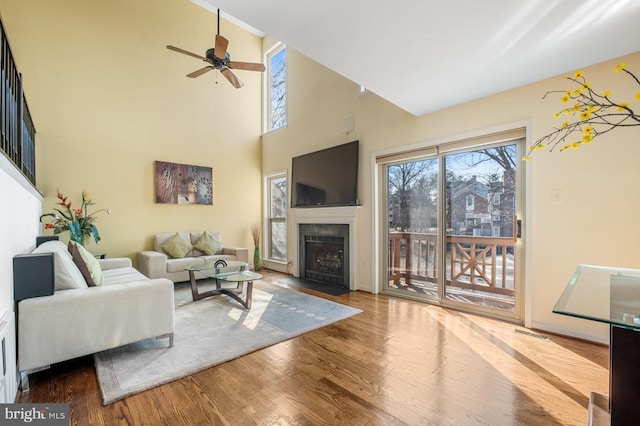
column 199, row 72
column 232, row 78
column 249, row 66
column 185, row 52
column 220, row 49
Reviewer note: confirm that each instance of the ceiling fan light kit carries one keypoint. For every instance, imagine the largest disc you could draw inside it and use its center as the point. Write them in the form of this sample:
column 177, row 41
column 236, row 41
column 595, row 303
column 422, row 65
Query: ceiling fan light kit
column 219, row 59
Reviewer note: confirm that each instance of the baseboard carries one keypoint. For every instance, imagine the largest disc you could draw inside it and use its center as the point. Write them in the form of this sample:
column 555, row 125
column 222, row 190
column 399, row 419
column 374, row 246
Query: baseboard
column 8, row 375
column 276, row 266
column 367, row 289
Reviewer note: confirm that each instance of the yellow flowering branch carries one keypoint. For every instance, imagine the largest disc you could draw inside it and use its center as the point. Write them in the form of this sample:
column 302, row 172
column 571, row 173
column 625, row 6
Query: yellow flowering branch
column 595, row 115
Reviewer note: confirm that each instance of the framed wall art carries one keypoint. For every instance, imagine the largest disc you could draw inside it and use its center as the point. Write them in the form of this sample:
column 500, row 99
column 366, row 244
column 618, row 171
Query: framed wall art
column 183, row 184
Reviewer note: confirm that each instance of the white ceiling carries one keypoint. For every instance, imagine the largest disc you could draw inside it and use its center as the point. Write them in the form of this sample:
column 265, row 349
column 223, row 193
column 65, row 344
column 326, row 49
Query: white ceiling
column 426, row 55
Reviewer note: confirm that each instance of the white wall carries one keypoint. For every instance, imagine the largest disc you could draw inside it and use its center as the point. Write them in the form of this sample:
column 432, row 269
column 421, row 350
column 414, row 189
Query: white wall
column 19, row 226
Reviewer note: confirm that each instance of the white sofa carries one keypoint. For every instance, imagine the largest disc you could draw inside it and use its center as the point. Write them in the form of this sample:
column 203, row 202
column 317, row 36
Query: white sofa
column 157, row 263
column 79, row 321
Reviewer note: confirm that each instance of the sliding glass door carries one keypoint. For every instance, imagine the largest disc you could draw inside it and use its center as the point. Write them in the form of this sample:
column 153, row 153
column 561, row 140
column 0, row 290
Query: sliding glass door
column 412, row 231
column 480, row 212
column 452, row 232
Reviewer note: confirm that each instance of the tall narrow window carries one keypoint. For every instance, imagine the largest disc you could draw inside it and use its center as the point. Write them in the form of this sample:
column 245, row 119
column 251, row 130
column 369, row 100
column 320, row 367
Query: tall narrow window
column 276, row 238
column 276, row 88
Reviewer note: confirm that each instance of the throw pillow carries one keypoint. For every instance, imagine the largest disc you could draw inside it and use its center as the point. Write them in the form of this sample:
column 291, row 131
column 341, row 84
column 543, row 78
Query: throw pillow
column 87, row 263
column 208, row 244
column 67, row 275
column 177, row 246
column 77, row 259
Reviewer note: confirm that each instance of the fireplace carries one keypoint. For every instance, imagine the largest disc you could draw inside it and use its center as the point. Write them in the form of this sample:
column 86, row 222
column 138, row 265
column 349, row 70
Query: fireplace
column 324, row 253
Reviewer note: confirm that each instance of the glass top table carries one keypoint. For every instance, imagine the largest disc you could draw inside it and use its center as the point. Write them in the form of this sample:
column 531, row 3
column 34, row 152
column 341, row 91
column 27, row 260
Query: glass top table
column 224, row 271
column 602, row 293
column 610, row 295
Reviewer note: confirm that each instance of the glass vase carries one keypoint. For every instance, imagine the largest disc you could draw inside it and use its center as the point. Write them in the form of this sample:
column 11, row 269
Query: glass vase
column 257, row 259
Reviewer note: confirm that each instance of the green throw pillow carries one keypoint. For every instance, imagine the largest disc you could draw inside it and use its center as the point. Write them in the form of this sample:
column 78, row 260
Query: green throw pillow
column 208, row 244
column 177, row 246
column 87, row 263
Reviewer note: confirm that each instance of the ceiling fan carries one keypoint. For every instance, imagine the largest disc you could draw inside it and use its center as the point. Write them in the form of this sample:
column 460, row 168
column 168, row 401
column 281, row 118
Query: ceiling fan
column 219, row 59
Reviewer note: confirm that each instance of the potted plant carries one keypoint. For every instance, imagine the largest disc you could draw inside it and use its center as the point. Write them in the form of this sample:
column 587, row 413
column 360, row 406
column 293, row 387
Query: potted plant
column 79, row 222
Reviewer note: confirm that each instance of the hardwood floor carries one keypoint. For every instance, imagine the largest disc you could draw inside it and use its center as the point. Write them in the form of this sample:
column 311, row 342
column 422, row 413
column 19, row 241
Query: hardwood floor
column 398, row 362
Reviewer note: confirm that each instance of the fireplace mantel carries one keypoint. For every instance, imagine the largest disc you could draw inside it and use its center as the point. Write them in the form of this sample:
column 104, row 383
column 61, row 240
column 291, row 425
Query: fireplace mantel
column 337, row 215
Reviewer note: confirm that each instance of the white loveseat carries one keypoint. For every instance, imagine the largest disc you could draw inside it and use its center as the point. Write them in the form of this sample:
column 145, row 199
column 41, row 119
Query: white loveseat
column 158, row 263
column 80, row 320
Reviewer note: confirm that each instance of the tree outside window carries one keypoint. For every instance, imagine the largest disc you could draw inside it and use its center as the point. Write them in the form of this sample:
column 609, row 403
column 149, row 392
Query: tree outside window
column 277, row 217
column 277, row 88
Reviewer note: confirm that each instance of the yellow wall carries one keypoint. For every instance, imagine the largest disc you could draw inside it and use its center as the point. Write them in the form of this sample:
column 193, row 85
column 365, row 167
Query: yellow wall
column 594, row 223
column 108, row 99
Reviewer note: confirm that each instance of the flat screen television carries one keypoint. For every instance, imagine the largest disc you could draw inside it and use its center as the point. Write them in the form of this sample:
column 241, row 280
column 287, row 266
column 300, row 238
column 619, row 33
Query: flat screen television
column 326, row 178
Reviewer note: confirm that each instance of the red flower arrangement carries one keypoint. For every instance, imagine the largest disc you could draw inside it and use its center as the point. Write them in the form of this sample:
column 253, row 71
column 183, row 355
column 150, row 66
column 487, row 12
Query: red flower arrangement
column 79, row 222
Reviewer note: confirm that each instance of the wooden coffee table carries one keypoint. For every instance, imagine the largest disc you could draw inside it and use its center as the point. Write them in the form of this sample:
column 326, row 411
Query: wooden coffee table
column 234, row 272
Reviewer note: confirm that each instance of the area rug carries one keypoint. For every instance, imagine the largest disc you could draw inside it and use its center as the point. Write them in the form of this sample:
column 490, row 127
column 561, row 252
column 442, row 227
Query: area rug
column 212, row 331
column 314, row 285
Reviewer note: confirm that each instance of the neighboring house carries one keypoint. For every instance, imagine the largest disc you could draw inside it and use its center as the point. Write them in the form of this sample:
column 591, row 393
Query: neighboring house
column 501, row 205
column 482, row 209
column 468, row 208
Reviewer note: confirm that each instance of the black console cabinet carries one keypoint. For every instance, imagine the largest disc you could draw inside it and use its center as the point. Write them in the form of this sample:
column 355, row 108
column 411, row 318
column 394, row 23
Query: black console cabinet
column 32, row 275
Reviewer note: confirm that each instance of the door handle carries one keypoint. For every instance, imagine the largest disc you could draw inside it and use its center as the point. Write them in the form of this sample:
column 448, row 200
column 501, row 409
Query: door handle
column 517, row 228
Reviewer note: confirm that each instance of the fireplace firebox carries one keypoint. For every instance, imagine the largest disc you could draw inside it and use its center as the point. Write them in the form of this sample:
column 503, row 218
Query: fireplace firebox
column 324, row 253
